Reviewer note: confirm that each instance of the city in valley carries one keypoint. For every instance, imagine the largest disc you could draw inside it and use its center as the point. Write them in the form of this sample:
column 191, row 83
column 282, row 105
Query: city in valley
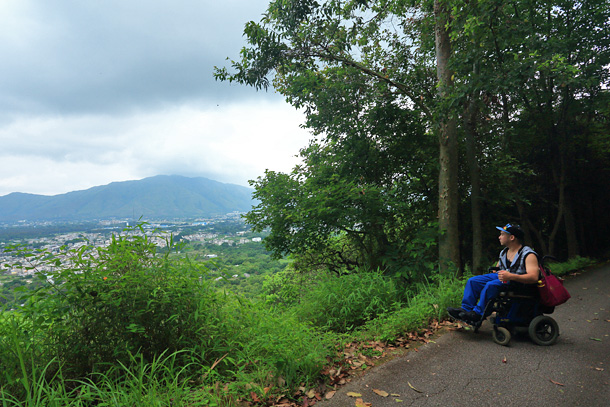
column 200, row 235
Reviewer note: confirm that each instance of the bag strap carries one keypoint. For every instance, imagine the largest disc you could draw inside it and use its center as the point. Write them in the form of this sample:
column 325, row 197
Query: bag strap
column 543, row 271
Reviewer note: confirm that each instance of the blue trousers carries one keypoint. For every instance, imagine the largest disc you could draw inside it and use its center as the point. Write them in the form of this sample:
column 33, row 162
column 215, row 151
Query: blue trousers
column 479, row 290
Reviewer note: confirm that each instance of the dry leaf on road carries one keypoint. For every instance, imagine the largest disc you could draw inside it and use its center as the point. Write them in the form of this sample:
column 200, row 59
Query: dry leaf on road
column 557, row 383
column 381, row 393
column 361, row 403
column 411, row 386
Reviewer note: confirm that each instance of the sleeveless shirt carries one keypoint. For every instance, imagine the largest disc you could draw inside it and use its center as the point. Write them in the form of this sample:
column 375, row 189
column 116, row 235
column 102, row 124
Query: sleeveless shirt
column 517, row 266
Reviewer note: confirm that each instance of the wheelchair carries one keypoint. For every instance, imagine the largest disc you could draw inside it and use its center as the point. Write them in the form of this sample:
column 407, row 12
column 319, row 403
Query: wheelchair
column 517, row 309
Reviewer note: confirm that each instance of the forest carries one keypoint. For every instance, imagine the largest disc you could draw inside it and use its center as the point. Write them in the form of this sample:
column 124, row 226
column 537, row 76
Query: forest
column 432, row 122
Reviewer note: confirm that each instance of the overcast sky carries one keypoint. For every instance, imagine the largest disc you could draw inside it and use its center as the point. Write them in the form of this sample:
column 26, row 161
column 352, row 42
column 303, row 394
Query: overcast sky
column 98, row 91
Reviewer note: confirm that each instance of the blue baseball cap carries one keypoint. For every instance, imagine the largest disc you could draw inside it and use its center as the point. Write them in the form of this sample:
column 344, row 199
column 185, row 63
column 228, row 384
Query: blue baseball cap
column 514, row 230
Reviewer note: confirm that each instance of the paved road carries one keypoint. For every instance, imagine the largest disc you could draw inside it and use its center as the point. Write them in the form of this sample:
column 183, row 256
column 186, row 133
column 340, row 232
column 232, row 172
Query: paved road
column 466, row 369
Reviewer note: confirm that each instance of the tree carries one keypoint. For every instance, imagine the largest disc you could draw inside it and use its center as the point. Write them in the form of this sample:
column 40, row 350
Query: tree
column 527, row 78
column 306, row 44
column 540, row 65
column 449, row 247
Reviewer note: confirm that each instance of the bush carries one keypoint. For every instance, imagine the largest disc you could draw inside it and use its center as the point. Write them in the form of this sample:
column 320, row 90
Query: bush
column 102, row 314
column 573, row 264
column 285, row 288
column 269, row 346
column 342, row 303
column 98, row 307
column 429, row 301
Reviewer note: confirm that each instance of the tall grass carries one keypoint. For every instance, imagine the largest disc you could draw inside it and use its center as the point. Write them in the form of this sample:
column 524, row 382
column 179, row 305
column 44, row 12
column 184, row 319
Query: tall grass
column 124, row 327
column 343, row 303
column 574, row 264
column 429, row 300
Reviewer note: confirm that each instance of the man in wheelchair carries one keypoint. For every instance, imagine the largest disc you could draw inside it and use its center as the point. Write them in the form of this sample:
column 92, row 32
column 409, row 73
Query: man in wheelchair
column 515, row 267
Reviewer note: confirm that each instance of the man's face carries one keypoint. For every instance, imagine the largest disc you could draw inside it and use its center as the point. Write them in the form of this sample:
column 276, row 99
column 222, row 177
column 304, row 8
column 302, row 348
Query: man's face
column 504, row 238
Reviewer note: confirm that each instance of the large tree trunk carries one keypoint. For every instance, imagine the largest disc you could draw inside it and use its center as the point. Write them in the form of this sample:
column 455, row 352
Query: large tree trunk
column 570, row 225
column 560, row 180
column 475, row 185
column 529, row 229
column 449, row 243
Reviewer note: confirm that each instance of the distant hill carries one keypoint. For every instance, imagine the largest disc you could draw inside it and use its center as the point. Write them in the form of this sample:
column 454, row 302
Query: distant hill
column 157, row 197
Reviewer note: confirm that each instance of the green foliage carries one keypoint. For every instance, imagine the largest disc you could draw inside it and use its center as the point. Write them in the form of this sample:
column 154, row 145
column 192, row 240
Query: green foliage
column 234, row 347
column 286, row 288
column 572, row 265
column 108, row 303
column 532, row 76
column 124, row 323
column 277, row 345
column 343, row 303
column 427, row 301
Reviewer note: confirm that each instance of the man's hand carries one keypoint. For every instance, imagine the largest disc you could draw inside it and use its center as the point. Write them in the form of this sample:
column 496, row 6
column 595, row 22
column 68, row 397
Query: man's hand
column 504, row 275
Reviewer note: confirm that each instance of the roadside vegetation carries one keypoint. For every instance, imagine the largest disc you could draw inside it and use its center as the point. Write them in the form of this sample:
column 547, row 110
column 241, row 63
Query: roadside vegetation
column 128, row 325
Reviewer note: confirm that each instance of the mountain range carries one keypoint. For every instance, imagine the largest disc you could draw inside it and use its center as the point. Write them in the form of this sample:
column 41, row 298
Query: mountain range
column 163, row 196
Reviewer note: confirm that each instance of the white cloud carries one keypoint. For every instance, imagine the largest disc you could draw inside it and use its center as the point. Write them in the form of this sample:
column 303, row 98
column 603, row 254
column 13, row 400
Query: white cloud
column 232, row 144
column 98, row 91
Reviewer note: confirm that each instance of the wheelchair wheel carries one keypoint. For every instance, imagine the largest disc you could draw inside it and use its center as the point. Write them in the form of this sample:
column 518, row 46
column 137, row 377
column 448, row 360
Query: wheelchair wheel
column 543, row 330
column 501, row 336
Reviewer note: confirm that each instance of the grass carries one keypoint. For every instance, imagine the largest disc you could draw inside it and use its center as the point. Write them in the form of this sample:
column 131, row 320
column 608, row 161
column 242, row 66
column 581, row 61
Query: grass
column 259, row 354
column 572, row 265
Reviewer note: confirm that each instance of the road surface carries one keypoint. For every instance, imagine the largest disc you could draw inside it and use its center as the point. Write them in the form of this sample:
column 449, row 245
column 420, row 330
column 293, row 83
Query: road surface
column 462, row 368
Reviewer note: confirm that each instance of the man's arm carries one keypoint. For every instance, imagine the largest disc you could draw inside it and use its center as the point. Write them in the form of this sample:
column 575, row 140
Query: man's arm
column 530, row 276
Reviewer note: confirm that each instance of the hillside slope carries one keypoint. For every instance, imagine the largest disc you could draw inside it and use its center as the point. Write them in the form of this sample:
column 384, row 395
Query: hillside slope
column 155, row 197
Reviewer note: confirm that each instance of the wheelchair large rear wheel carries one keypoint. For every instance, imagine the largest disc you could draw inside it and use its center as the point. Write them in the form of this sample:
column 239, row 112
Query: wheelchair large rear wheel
column 543, row 330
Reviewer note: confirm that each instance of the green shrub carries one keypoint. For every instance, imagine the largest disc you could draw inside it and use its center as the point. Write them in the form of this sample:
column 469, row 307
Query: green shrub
column 285, row 288
column 342, row 303
column 429, row 301
column 280, row 345
column 103, row 316
column 100, row 306
column 573, row 264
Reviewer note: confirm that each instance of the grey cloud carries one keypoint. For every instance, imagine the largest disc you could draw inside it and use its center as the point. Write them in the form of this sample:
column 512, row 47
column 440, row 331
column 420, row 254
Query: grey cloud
column 76, row 57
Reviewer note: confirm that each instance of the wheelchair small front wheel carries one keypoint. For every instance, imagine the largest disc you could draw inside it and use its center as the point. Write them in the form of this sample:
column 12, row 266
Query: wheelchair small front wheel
column 543, row 330
column 501, row 336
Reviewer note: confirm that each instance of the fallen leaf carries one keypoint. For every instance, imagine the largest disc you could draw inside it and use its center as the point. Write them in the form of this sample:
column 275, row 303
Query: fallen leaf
column 361, row 403
column 557, row 383
column 395, row 395
column 411, row 386
column 398, row 400
column 504, row 360
column 330, row 394
column 595, row 339
column 311, row 393
column 353, row 394
column 381, row 393
column 601, row 369
column 254, row 397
